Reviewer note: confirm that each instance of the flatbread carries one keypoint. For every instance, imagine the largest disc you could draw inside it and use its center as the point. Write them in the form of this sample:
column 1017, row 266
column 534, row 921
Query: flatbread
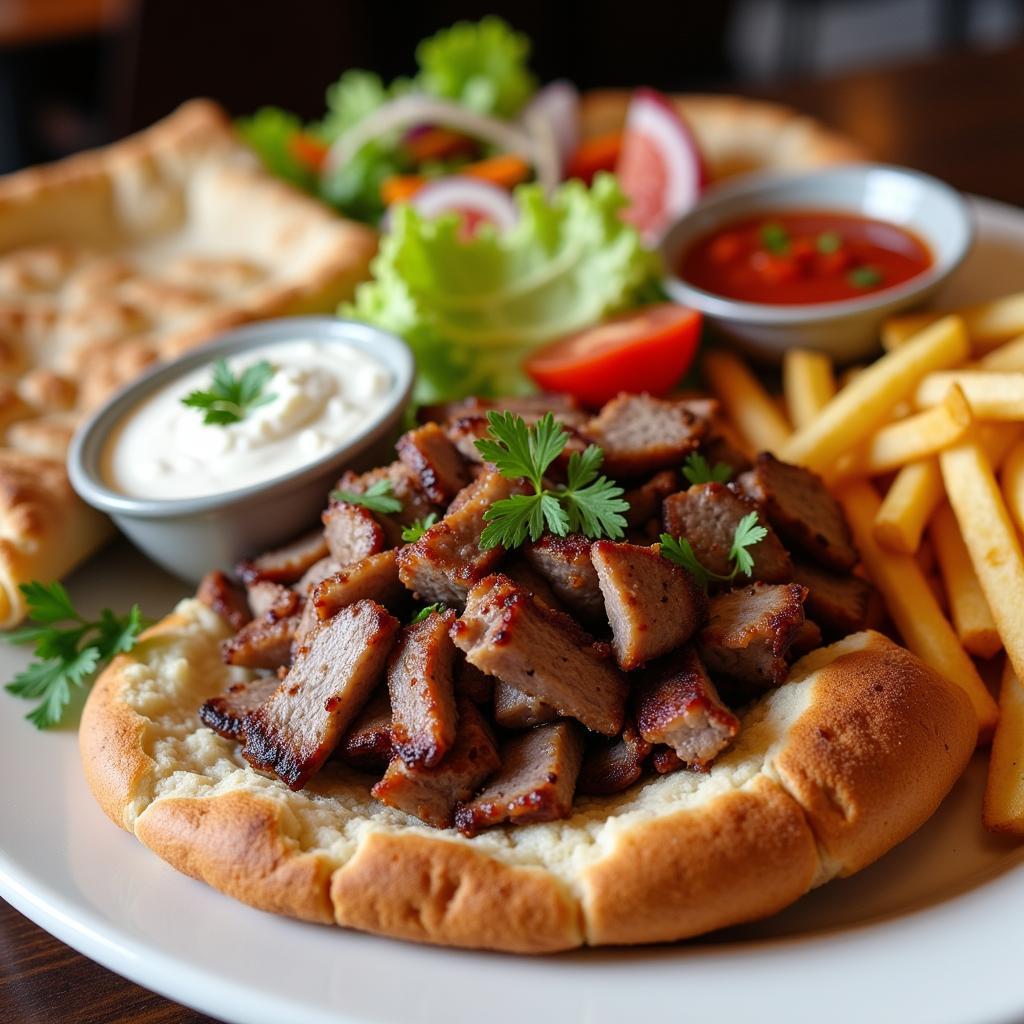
column 830, row 771
column 113, row 260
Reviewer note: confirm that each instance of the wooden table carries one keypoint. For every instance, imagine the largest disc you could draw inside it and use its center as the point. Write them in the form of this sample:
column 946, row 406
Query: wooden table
column 959, row 117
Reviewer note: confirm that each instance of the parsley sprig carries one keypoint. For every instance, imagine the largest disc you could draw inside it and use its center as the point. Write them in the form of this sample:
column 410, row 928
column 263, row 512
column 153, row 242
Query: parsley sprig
column 229, row 399
column 425, row 612
column 378, row 497
column 697, row 470
column 413, row 532
column 748, row 532
column 587, row 503
column 68, row 656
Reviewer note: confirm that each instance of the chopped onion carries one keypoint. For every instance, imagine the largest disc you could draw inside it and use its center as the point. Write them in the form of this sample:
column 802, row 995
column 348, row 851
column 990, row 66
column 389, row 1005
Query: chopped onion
column 558, row 103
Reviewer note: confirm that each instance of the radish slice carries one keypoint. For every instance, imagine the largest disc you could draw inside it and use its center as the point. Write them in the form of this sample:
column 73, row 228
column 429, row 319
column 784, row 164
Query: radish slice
column 558, row 103
column 478, row 201
column 660, row 168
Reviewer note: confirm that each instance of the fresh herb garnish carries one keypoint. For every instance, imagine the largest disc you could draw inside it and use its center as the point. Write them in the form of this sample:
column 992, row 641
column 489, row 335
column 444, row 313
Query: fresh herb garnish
column 67, row 655
column 413, row 532
column 229, row 399
column 829, row 242
column 748, row 532
column 588, row 503
column 697, row 470
column 425, row 613
column 774, row 237
column 864, row 277
column 378, row 497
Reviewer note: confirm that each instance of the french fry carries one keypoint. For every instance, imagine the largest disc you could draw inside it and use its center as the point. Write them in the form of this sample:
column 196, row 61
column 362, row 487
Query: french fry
column 917, row 436
column 751, row 409
column 997, row 440
column 991, row 539
column 865, row 403
column 1008, row 358
column 992, row 395
column 807, row 383
column 908, row 505
column 912, row 605
column 988, row 324
column 1013, row 483
column 1003, row 807
column 972, row 617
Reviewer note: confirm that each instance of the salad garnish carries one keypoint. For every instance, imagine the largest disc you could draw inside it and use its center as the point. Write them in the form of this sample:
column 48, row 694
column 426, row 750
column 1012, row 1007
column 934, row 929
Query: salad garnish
column 697, row 470
column 378, row 497
column 748, row 532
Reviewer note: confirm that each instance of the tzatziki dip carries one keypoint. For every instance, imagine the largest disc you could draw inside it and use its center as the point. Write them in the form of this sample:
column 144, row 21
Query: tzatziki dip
column 315, row 397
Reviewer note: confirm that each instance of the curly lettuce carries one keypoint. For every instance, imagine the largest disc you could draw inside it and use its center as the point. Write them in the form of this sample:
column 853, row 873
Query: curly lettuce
column 471, row 309
column 271, row 132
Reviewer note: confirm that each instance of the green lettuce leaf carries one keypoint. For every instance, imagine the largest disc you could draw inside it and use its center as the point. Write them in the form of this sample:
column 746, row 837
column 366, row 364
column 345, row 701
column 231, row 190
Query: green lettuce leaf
column 270, row 132
column 482, row 65
column 472, row 309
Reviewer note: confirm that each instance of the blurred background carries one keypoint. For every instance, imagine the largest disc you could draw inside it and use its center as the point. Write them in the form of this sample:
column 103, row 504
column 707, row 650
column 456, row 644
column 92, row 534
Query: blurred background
column 77, row 73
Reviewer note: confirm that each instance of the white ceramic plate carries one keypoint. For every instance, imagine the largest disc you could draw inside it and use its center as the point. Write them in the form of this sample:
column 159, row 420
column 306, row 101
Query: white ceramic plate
column 931, row 932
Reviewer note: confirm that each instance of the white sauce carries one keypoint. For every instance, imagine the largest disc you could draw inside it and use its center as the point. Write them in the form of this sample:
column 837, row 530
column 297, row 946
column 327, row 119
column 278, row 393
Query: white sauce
column 325, row 393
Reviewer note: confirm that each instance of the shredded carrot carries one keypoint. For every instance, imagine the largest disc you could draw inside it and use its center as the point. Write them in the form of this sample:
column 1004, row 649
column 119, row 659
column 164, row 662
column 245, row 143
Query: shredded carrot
column 309, row 151
column 438, row 144
column 601, row 153
column 507, row 170
column 400, row 188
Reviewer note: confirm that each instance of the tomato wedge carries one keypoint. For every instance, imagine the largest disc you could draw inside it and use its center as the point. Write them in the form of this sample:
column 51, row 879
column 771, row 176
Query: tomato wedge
column 648, row 349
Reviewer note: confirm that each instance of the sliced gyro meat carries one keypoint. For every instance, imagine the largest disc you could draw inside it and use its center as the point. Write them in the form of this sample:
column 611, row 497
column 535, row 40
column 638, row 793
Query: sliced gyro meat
column 531, row 407
column 838, row 602
column 287, row 564
column 262, row 643
column 541, row 652
column 352, row 532
column 707, row 516
column 565, row 563
column 367, row 744
column 678, row 705
column 807, row 638
column 514, row 709
column 447, row 560
column 613, row 766
column 274, row 599
column 641, row 434
column 372, row 578
column 473, row 684
column 536, row 781
column 225, row 712
column 665, row 761
column 334, row 672
column 645, row 500
column 804, row 514
column 521, row 572
column 420, row 682
column 653, row 606
column 750, row 631
column 431, row 794
column 404, row 488
column 439, row 467
column 318, row 571
column 227, row 599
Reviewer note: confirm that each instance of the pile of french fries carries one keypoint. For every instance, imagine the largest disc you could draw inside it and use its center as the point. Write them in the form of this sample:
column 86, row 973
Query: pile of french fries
column 924, row 448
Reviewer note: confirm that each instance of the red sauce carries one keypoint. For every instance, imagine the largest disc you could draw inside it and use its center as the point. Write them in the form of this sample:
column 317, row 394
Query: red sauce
column 798, row 258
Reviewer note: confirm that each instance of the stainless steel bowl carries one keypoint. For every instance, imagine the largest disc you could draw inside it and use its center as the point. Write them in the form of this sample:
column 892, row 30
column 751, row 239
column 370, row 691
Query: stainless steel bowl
column 190, row 536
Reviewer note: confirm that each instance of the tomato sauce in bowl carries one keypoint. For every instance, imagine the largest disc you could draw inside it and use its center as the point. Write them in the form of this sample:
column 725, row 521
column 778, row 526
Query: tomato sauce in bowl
column 803, row 257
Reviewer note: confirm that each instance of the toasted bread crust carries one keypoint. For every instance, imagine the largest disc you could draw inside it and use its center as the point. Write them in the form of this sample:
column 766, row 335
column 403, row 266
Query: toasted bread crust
column 863, row 742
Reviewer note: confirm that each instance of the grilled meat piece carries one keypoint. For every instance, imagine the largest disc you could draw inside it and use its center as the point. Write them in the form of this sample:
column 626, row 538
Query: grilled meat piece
column 802, row 511
column 318, row 571
column 678, row 705
column 653, row 606
column 431, row 794
column 563, row 407
column 536, row 780
column 374, row 577
column 367, row 745
column 224, row 713
column 514, row 709
column 615, row 766
column 440, row 469
column 641, row 434
column 352, row 532
column 808, row 638
column 273, row 599
column 287, row 564
column 420, row 672
column 473, row 684
column 645, row 500
column 750, row 631
column 228, row 600
column 506, row 633
column 838, row 602
column 446, row 561
column 262, row 643
column 665, row 761
column 565, row 563
column 404, row 486
column 464, row 431
column 707, row 516
column 521, row 572
column 334, row 672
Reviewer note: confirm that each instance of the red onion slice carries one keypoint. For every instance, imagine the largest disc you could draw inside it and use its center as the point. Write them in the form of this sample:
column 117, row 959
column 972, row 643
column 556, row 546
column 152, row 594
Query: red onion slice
column 558, row 103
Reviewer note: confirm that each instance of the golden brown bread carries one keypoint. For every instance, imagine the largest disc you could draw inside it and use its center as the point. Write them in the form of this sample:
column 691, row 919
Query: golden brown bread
column 832, row 769
column 115, row 259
